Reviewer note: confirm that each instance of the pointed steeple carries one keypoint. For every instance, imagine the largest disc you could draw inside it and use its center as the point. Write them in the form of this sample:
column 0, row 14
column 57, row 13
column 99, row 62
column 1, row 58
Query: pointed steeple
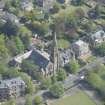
column 55, row 52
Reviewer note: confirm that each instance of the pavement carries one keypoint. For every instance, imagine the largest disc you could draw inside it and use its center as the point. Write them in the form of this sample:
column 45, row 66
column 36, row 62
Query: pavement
column 70, row 83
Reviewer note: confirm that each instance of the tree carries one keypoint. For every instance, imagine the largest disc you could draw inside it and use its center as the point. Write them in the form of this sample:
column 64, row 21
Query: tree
column 38, row 27
column 3, row 49
column 29, row 67
column 56, row 8
column 28, row 100
column 46, row 83
column 57, row 90
column 11, row 102
column 74, row 66
column 19, row 44
column 54, row 79
column 77, row 2
column 100, row 50
column 38, row 100
column 30, row 86
column 11, row 46
column 61, row 75
column 10, row 28
column 94, row 80
column 25, row 36
column 11, row 73
column 98, row 10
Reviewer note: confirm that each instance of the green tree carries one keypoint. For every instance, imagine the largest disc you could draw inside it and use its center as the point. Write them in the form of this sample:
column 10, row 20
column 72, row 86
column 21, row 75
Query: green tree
column 61, row 75
column 46, row 83
column 28, row 100
column 3, row 49
column 11, row 73
column 56, row 8
column 38, row 100
column 11, row 102
column 74, row 66
column 10, row 28
column 25, row 35
column 54, row 79
column 100, row 50
column 57, row 90
column 77, row 2
column 94, row 80
column 98, row 10
column 30, row 86
column 19, row 44
column 11, row 46
column 29, row 67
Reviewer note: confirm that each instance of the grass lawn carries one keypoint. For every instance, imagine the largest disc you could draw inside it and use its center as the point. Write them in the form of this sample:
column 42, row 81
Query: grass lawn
column 62, row 43
column 79, row 98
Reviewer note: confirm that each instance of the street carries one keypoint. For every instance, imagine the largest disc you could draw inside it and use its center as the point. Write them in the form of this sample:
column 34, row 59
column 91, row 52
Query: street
column 71, row 83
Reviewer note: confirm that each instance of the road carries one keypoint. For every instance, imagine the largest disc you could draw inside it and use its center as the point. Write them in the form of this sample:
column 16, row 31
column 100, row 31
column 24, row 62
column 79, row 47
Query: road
column 70, row 81
column 21, row 100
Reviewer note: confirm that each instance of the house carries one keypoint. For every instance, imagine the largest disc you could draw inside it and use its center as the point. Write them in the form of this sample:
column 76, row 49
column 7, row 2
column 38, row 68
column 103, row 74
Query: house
column 100, row 1
column 97, row 38
column 26, row 5
column 9, row 16
column 65, row 57
column 46, row 5
column 81, row 49
column 75, row 2
column 61, row 1
column 2, row 5
column 10, row 88
column 40, row 58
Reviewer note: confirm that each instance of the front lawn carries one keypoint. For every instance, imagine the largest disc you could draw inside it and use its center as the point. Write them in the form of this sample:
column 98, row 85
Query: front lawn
column 79, row 98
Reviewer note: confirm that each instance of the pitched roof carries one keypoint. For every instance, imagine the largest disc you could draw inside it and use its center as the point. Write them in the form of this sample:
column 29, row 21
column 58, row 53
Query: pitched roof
column 2, row 4
column 21, row 57
column 98, row 34
column 41, row 58
column 11, row 82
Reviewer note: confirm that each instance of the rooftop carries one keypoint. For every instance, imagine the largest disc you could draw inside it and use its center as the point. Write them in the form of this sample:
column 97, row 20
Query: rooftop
column 80, row 43
column 98, row 34
column 11, row 82
column 40, row 57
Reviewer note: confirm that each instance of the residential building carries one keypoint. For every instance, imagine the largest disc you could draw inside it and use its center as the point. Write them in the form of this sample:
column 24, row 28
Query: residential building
column 26, row 5
column 2, row 5
column 5, row 16
column 61, row 1
column 10, row 88
column 65, row 56
column 97, row 38
column 46, row 5
column 81, row 49
column 40, row 57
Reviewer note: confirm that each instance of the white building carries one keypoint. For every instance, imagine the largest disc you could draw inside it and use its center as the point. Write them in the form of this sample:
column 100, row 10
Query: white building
column 97, row 38
column 81, row 49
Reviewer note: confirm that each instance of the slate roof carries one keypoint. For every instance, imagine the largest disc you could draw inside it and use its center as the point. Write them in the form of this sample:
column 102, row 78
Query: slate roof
column 21, row 57
column 9, row 16
column 2, row 4
column 98, row 35
column 40, row 58
column 11, row 82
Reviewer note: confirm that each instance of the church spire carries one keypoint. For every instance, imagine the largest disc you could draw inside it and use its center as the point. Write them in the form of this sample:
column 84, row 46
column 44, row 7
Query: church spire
column 55, row 53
